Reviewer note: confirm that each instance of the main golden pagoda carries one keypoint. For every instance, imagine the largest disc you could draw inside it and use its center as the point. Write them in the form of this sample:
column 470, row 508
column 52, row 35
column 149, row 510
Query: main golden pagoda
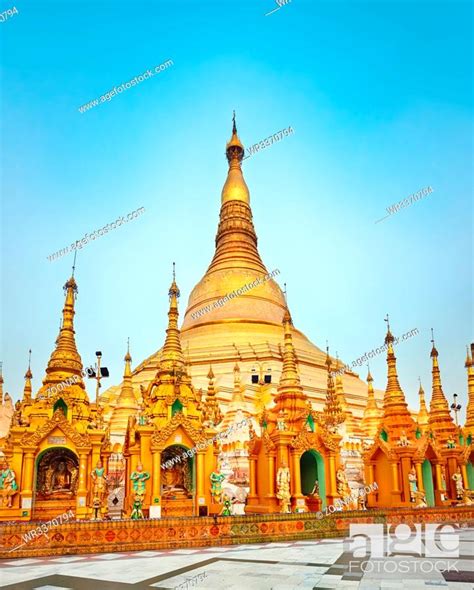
column 237, row 403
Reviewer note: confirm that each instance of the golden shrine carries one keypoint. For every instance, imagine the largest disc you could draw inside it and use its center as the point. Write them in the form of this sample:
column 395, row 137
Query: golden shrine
column 237, row 413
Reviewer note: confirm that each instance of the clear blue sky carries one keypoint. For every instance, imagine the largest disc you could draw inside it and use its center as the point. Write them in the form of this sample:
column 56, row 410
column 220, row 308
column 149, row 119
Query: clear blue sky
column 379, row 95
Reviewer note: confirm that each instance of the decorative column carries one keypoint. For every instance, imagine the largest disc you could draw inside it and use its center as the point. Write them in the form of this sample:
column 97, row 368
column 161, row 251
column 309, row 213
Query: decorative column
column 27, row 480
column 464, row 476
column 200, row 476
column 81, row 507
column 419, row 476
column 271, row 476
column 332, row 494
column 155, row 502
column 396, row 492
column 252, row 477
column 439, row 492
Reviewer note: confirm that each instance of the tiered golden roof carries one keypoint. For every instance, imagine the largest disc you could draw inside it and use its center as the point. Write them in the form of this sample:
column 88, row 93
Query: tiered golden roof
column 440, row 419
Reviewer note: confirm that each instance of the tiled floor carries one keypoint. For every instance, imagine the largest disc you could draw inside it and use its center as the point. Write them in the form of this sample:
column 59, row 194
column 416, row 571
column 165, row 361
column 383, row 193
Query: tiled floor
column 304, row 565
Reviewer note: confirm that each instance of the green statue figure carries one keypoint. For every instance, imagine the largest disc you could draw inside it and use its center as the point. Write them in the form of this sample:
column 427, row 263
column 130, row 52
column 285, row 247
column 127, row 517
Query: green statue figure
column 139, row 478
column 216, row 486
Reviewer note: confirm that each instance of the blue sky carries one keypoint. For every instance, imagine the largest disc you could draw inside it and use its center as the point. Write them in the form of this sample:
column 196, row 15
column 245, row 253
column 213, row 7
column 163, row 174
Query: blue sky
column 379, row 95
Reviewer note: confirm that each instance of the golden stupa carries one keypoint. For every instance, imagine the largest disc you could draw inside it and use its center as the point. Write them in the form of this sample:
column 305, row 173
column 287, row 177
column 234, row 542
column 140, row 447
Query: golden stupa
column 247, row 329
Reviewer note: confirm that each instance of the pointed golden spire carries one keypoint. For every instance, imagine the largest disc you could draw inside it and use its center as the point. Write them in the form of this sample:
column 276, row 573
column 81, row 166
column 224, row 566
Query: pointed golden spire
column 341, row 398
column 236, row 261
column 172, row 358
column 211, row 411
column 127, row 404
column 289, row 373
column 372, row 414
column 235, row 188
column 393, row 386
column 469, row 425
column 396, row 416
column 440, row 420
column 332, row 413
column 28, row 377
column 423, row 417
column 65, row 361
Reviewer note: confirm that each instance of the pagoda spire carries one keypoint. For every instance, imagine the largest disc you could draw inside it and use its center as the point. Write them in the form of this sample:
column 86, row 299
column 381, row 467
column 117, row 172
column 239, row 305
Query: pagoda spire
column 440, row 420
column 289, row 373
column 172, row 358
column 396, row 415
column 340, row 389
column 236, row 263
column 332, row 413
column 423, row 417
column 28, row 377
column 236, row 238
column 469, row 364
column 65, row 360
column 127, row 404
column 372, row 413
column 211, row 411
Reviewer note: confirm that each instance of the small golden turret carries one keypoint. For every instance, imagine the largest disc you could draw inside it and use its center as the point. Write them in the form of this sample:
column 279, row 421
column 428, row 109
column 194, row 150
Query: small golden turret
column 290, row 399
column 172, row 358
column 372, row 414
column 440, row 419
column 469, row 425
column 332, row 413
column 65, row 361
column 27, row 391
column 211, row 412
column 423, row 418
column 289, row 373
column 127, row 404
column 396, row 416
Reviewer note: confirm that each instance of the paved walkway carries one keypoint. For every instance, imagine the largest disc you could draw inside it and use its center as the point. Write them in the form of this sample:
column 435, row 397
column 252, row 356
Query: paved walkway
column 323, row 564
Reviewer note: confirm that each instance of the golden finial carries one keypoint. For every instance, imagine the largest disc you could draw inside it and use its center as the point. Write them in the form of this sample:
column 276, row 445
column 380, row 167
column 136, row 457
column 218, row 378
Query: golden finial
column 210, row 375
column 285, row 293
column 434, row 352
column 234, row 126
column 369, row 376
column 74, row 263
column 389, row 337
column 174, row 272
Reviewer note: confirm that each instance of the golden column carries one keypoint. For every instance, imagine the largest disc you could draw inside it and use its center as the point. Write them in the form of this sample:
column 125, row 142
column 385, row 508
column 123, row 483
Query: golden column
column 27, row 479
column 295, row 458
column 252, row 477
column 332, row 477
column 200, row 475
column 156, row 481
column 464, row 476
column 271, row 475
column 419, row 476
